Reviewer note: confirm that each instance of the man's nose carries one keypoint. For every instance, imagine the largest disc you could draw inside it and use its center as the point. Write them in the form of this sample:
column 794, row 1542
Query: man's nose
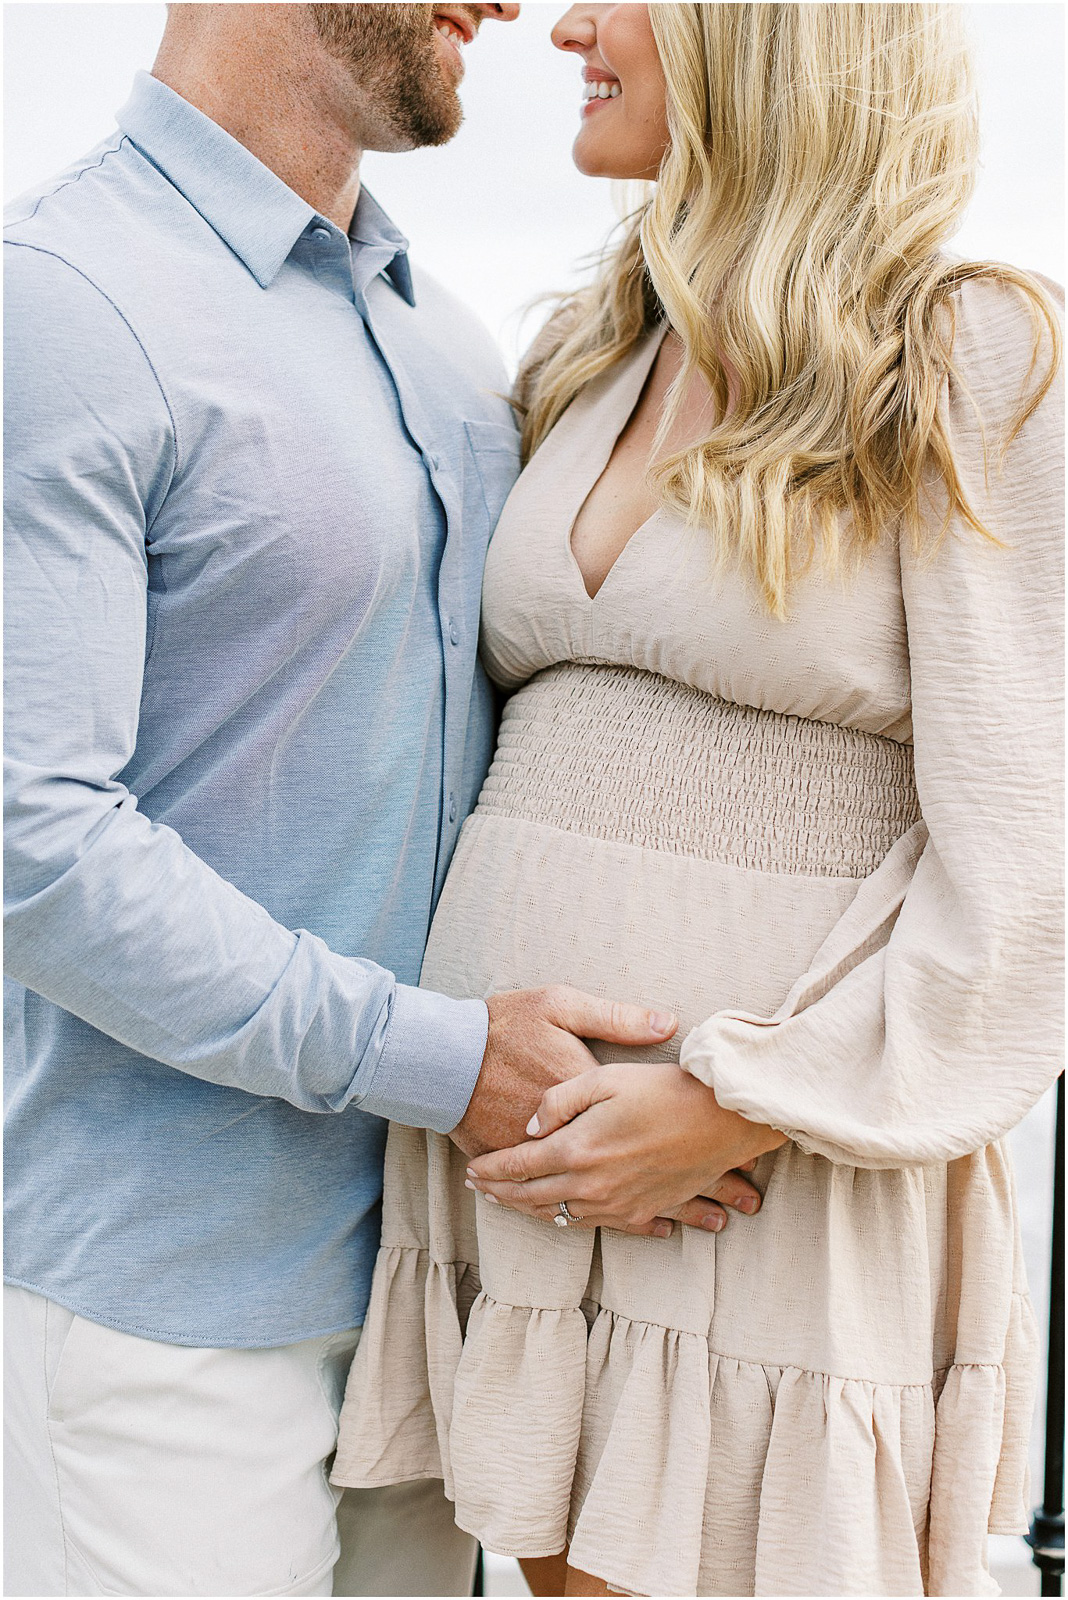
column 499, row 13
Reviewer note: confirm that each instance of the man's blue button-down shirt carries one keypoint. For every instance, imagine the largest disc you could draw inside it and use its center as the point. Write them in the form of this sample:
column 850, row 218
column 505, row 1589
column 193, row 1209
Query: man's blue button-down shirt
column 251, row 476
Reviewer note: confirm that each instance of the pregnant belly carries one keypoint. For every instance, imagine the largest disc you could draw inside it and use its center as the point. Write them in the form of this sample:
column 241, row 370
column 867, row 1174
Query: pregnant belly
column 646, row 841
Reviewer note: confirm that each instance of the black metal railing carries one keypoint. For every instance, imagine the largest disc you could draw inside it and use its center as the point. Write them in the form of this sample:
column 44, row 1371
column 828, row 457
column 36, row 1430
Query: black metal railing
column 1047, row 1525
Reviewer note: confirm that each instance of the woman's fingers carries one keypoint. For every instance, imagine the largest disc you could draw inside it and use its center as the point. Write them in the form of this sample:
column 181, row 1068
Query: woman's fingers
column 523, row 1162
column 658, row 1228
column 699, row 1213
column 565, row 1101
column 533, row 1196
column 541, row 1198
column 533, row 1177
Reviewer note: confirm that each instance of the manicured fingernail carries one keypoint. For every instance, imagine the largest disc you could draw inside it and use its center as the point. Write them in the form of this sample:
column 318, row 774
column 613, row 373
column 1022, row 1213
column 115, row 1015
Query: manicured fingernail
column 468, row 1184
column 748, row 1204
column 492, row 1199
column 663, row 1230
column 471, row 1173
column 714, row 1221
column 534, row 1127
column 661, row 1021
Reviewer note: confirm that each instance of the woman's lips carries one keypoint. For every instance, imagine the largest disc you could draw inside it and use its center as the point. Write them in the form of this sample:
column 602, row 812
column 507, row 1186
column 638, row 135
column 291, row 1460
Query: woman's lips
column 598, row 89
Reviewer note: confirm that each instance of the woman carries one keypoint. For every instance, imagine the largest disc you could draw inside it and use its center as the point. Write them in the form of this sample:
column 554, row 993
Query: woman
column 777, row 596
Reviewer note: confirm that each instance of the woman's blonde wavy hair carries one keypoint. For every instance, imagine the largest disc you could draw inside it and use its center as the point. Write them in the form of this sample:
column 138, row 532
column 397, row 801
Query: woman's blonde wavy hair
column 820, row 156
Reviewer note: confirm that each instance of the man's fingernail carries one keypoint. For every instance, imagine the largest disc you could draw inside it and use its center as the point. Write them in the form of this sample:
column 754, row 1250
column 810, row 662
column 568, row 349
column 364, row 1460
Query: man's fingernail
column 534, row 1127
column 492, row 1198
column 714, row 1221
column 748, row 1203
column 663, row 1230
column 661, row 1021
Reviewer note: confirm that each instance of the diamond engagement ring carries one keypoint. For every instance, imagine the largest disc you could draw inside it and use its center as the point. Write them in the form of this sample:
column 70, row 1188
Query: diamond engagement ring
column 563, row 1215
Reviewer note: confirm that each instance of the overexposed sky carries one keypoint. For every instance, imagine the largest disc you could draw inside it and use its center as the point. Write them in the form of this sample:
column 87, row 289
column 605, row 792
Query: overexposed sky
column 501, row 215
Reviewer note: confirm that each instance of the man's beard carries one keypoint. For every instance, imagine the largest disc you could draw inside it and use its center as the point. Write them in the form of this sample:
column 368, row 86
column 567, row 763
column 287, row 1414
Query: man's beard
column 390, row 51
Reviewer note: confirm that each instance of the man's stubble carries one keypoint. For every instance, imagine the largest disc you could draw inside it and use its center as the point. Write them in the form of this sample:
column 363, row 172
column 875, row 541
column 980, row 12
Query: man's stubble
column 391, row 54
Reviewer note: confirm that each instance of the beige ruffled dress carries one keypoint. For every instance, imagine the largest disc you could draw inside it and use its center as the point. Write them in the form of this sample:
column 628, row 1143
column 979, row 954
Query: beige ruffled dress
column 830, row 844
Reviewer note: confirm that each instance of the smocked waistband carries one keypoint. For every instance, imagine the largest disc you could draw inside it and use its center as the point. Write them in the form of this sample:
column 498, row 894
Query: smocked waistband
column 620, row 754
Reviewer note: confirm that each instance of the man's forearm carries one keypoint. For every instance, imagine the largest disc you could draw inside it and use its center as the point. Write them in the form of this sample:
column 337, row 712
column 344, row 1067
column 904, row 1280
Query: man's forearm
column 131, row 931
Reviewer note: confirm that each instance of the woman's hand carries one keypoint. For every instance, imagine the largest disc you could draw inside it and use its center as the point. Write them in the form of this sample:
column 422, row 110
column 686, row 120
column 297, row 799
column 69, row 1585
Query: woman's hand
column 629, row 1147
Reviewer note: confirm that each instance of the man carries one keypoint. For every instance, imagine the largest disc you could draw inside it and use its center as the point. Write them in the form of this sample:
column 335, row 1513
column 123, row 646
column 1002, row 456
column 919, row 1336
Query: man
column 253, row 466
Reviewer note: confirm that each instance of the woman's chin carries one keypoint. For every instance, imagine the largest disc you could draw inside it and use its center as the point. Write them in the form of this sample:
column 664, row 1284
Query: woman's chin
column 595, row 157
column 592, row 158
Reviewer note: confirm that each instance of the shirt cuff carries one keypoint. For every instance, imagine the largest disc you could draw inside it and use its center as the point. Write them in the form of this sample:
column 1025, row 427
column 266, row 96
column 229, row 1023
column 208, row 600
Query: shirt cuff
column 430, row 1061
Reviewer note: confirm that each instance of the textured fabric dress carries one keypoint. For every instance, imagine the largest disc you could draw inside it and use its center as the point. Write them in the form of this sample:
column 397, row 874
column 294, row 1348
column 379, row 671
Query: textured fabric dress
column 830, row 845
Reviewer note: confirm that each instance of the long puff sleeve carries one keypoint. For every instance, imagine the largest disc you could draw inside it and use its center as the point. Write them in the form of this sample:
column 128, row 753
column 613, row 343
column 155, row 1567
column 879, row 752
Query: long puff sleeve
column 929, row 1021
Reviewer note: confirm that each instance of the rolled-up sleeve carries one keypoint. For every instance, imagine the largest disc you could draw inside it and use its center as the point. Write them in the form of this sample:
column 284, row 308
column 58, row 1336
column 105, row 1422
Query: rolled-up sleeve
column 108, row 914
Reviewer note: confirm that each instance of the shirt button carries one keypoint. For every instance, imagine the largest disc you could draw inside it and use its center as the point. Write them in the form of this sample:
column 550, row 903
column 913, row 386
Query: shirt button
column 454, row 633
column 452, row 808
column 320, row 235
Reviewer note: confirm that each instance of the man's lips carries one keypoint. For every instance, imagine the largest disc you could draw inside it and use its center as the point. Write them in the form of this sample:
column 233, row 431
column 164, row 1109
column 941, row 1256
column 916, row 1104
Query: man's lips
column 455, row 21
column 455, row 30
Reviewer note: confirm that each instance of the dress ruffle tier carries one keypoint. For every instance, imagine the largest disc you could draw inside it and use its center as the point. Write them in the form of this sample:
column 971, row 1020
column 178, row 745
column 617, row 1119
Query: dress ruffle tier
column 554, row 1425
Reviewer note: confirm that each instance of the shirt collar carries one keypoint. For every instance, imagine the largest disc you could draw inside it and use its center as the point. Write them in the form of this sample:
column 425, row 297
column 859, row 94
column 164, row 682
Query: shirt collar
column 371, row 227
column 257, row 215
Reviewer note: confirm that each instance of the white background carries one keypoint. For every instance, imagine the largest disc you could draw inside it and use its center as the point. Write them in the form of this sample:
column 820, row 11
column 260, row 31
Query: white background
column 501, row 216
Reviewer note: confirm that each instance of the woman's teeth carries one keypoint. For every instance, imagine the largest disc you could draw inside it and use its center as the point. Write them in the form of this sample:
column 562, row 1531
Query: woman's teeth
column 601, row 91
column 447, row 31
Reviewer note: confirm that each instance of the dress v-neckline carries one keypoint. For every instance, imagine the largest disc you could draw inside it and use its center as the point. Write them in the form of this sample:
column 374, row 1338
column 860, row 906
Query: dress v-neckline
column 622, row 397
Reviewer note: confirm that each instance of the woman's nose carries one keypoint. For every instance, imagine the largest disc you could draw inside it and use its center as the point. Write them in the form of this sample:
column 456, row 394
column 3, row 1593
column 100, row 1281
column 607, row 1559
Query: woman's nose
column 576, row 29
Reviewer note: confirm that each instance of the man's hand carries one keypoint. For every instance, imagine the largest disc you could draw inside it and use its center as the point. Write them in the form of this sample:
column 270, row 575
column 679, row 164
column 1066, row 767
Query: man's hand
column 535, row 1041
column 627, row 1146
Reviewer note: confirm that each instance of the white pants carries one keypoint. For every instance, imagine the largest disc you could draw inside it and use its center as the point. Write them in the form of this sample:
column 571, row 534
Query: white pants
column 133, row 1467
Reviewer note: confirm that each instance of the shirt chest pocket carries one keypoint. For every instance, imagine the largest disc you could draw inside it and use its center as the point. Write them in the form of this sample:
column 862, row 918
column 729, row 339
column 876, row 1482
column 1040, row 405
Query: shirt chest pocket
column 490, row 468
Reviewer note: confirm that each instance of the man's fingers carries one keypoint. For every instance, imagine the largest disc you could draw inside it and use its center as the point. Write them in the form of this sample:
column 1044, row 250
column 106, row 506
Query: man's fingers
column 737, row 1192
column 703, row 1214
column 615, row 1021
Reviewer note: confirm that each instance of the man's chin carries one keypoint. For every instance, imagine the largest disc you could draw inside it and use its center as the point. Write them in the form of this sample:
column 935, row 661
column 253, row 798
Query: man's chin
column 435, row 126
column 416, row 127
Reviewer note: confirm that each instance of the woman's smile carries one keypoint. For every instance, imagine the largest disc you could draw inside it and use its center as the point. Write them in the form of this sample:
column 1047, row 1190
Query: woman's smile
column 620, row 63
column 597, row 87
